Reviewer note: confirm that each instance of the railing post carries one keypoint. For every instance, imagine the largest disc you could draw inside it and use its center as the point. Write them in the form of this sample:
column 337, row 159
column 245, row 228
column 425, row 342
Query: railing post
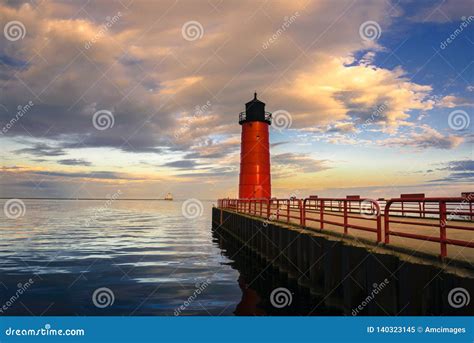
column 387, row 221
column 269, row 201
column 288, row 210
column 470, row 209
column 303, row 213
column 345, row 217
column 278, row 209
column 378, row 213
column 321, row 214
column 442, row 227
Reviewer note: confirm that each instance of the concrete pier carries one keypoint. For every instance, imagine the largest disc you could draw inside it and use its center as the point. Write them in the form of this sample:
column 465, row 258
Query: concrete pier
column 355, row 276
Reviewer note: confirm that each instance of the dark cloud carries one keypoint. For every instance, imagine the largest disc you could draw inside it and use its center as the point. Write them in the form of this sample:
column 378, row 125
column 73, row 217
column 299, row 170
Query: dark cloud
column 74, row 162
column 467, row 177
column 86, row 175
column 42, row 149
column 37, row 185
column 274, row 145
column 463, row 165
column 182, row 164
column 215, row 154
column 424, row 137
column 460, row 171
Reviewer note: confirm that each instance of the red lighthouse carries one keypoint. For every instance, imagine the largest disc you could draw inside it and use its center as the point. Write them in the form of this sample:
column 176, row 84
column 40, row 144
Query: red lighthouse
column 254, row 180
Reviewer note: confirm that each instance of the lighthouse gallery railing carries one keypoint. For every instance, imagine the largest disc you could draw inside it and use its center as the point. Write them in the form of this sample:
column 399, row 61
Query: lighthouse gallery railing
column 400, row 216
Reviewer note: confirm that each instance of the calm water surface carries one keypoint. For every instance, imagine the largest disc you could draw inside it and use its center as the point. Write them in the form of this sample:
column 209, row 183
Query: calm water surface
column 146, row 252
column 150, row 257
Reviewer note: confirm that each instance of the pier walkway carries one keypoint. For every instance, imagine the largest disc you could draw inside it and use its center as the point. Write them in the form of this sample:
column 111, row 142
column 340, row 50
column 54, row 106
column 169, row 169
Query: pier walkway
column 441, row 227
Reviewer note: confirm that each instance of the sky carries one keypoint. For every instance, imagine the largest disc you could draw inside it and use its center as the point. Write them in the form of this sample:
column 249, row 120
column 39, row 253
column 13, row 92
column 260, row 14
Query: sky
column 373, row 98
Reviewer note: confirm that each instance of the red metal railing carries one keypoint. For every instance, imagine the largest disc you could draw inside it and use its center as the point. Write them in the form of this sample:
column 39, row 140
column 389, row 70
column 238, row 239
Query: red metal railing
column 339, row 212
column 407, row 213
column 442, row 211
column 327, row 210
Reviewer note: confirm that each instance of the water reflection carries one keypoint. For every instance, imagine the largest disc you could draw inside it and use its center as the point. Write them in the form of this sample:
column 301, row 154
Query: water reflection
column 147, row 253
column 258, row 279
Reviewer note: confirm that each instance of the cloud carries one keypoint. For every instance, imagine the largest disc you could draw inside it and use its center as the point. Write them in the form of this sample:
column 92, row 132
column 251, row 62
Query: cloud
column 460, row 171
column 451, row 101
column 424, row 137
column 467, row 177
column 182, row 164
column 42, row 149
column 151, row 79
column 287, row 164
column 214, row 149
column 461, row 165
column 335, row 93
column 274, row 145
column 341, row 127
column 74, row 162
column 107, row 175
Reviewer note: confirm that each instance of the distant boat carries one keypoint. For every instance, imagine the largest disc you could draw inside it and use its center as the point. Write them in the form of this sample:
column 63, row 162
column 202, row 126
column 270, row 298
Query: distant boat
column 169, row 196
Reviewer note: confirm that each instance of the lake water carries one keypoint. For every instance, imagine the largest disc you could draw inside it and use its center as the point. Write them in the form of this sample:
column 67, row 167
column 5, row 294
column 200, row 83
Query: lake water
column 92, row 257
